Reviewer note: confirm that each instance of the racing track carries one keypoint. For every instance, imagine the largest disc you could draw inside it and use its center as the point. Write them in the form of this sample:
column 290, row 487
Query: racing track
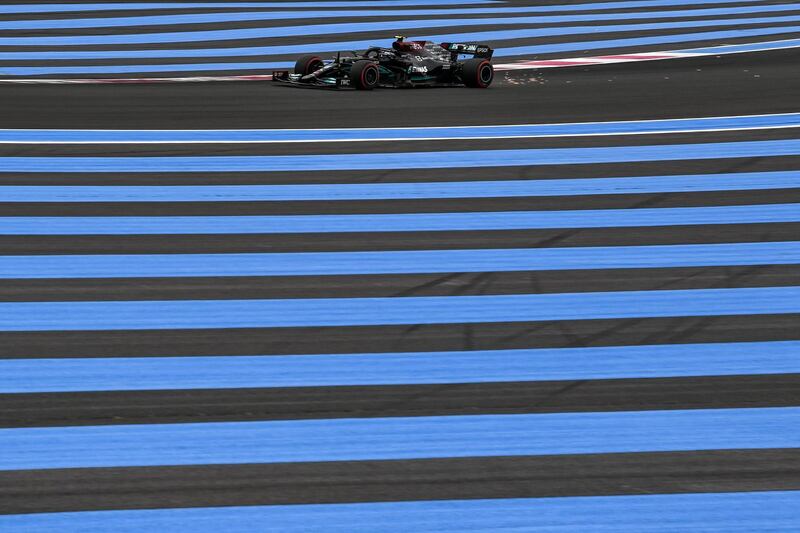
column 651, row 365
column 717, row 86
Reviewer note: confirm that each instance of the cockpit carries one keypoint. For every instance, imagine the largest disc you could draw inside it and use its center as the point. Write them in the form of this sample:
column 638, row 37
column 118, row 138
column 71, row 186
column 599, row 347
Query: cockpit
column 425, row 49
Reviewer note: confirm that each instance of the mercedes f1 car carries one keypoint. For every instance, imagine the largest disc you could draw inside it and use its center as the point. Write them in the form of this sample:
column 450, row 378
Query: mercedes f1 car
column 405, row 64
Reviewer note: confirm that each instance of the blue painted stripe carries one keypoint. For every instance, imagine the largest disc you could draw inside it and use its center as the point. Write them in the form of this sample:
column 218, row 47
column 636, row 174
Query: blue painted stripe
column 351, row 27
column 51, row 8
column 471, row 221
column 398, row 438
column 118, row 6
column 784, row 120
column 216, row 18
column 132, row 69
column 334, row 312
column 416, row 368
column 403, row 160
column 401, row 262
column 397, row 191
column 742, row 512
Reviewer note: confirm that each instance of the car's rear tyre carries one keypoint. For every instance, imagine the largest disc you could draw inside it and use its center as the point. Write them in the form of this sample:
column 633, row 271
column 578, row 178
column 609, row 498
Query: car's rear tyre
column 477, row 73
column 364, row 75
column 308, row 64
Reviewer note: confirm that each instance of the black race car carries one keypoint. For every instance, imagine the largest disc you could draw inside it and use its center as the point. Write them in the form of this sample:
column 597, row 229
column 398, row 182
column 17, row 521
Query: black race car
column 405, row 64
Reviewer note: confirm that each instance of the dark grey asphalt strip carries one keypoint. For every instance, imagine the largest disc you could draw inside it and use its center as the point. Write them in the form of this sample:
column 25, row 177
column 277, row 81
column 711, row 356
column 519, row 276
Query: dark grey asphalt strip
column 226, row 405
column 324, row 36
column 365, row 286
column 49, row 491
column 444, row 240
column 134, row 150
column 452, row 205
column 115, row 13
column 376, row 7
column 445, row 337
column 258, row 24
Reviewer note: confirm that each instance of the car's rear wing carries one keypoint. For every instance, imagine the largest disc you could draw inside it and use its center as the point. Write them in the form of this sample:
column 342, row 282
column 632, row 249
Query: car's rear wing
column 477, row 50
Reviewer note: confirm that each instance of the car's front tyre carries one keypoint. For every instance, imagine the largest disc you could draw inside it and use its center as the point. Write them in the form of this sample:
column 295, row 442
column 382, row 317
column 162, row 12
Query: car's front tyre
column 308, row 64
column 364, row 75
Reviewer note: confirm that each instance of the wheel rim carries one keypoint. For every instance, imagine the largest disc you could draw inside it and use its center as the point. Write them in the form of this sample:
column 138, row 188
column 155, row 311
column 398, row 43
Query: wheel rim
column 485, row 74
column 314, row 65
column 370, row 76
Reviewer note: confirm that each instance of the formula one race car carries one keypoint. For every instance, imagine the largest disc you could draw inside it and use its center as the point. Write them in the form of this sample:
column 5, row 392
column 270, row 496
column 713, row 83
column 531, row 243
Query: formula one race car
column 405, row 64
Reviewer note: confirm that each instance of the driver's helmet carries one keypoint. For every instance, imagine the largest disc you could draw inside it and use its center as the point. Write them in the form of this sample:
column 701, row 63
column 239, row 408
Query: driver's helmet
column 398, row 44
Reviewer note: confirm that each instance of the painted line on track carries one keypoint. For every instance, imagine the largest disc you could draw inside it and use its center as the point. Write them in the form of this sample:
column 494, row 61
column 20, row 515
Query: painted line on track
column 389, row 438
column 404, row 160
column 340, row 312
column 470, row 221
column 246, row 136
column 399, row 191
column 742, row 512
column 415, row 368
column 396, row 262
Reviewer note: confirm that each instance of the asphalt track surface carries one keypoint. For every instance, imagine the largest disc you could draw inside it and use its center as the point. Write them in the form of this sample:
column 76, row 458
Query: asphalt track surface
column 152, row 422
column 737, row 84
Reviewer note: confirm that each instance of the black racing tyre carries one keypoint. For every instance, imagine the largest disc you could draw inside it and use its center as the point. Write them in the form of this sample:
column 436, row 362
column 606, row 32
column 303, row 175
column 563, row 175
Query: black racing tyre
column 364, row 75
column 308, row 64
column 477, row 73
